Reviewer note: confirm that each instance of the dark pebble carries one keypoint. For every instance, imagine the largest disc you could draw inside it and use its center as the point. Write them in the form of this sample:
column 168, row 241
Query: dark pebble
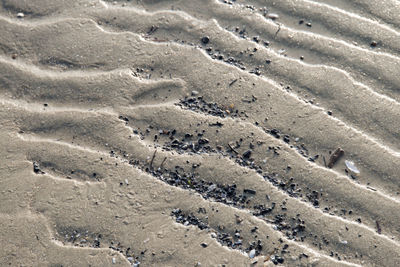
column 205, row 40
column 286, row 139
column 275, row 133
column 204, row 245
column 247, row 154
column 36, row 168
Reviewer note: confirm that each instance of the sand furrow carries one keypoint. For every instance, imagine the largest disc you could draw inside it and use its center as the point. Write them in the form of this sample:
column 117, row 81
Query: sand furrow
column 385, row 11
column 85, row 90
column 323, row 19
column 199, row 133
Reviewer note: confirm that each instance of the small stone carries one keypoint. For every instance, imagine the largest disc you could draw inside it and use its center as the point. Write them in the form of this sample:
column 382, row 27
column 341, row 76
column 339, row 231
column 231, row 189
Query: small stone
column 205, row 40
column 374, row 44
column 329, row 112
column 279, row 259
column 20, row 15
column 238, row 219
column 204, row 245
column 252, row 253
column 36, row 168
column 247, row 154
column 114, row 261
column 194, row 93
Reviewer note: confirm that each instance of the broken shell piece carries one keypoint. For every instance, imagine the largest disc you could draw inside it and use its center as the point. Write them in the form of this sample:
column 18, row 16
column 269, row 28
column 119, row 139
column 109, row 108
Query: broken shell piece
column 351, row 167
column 273, row 16
column 20, row 15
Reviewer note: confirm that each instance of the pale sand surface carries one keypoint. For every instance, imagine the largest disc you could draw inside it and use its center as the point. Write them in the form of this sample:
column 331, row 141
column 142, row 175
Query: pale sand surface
column 198, row 133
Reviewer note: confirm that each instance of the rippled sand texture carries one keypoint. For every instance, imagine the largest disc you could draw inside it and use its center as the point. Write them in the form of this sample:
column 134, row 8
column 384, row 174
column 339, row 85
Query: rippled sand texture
column 198, row 133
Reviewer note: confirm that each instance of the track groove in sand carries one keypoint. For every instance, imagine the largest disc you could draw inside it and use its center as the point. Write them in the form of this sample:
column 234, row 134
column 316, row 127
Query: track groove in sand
column 89, row 91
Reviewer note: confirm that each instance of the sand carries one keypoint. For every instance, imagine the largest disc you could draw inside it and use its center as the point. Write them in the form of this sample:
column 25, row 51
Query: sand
column 199, row 133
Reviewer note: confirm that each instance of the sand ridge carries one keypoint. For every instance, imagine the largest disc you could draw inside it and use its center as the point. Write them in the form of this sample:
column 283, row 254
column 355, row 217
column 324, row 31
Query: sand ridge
column 197, row 133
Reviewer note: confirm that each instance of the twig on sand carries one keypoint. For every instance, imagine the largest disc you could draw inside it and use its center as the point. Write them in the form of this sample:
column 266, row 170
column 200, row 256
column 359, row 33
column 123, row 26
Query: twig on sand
column 279, row 28
column 232, row 149
column 162, row 163
column 232, row 82
column 152, row 159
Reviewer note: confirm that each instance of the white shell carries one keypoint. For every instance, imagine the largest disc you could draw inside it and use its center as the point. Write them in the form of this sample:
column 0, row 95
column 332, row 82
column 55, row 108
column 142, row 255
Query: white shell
column 350, row 165
column 252, row 253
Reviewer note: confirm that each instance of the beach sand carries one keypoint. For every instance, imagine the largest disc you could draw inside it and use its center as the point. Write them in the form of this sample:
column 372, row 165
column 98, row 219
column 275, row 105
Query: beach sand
column 200, row 133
